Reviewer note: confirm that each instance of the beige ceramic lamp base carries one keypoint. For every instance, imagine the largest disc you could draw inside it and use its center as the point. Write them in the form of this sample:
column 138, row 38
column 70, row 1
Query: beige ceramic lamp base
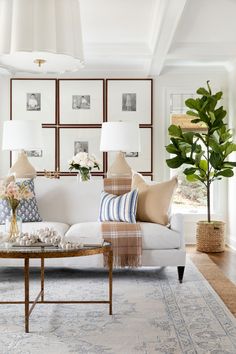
column 120, row 167
column 22, row 168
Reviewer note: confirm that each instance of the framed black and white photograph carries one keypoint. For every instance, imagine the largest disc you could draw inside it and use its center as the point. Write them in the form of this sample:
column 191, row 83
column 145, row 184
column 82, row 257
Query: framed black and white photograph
column 81, row 146
column 34, row 153
column 129, row 100
column 44, row 159
column 139, row 161
column 74, row 140
column 131, row 154
column 81, row 101
column 34, row 99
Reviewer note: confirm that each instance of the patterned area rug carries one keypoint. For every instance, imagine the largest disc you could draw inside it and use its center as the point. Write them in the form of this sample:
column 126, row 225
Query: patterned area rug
column 153, row 313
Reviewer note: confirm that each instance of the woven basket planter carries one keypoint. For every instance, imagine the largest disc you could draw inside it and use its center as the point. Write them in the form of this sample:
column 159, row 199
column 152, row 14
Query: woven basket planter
column 210, row 236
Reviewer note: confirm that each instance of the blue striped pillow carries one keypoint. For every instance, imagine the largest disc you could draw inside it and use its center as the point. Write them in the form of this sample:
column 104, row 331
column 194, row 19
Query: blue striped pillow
column 119, row 208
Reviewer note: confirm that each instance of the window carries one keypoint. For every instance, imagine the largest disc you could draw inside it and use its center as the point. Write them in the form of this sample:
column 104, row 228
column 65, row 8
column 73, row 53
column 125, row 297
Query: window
column 189, row 197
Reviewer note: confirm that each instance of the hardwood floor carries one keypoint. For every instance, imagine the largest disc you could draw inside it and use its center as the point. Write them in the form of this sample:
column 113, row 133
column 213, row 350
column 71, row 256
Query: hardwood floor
column 226, row 261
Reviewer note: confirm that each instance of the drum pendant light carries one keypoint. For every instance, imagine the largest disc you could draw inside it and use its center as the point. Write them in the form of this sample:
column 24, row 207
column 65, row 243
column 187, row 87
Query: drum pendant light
column 40, row 36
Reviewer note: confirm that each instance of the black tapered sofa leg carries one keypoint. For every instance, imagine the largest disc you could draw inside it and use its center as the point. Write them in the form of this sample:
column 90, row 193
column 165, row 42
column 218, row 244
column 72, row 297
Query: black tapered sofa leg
column 181, row 273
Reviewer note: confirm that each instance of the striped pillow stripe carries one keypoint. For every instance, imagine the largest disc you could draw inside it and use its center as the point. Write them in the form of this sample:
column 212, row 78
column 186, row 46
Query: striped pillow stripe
column 119, row 208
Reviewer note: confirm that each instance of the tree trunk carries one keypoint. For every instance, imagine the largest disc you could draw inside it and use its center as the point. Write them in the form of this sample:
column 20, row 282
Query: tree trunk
column 208, row 202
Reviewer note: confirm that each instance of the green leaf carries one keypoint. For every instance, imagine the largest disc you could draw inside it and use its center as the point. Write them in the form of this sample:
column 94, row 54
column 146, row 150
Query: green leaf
column 191, row 113
column 203, row 165
column 189, row 171
column 172, row 149
column 212, row 116
column 175, row 131
column 216, row 160
column 214, row 145
column 229, row 164
column 192, row 103
column 192, row 178
column 202, row 91
column 225, row 173
column 230, row 148
column 188, row 137
column 218, row 95
column 175, row 162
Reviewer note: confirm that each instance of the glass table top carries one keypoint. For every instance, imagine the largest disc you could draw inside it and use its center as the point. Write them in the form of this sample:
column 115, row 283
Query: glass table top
column 6, row 247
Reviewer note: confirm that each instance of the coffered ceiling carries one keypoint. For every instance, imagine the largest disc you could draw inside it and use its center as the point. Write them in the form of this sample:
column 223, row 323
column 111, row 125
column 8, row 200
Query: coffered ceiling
column 149, row 35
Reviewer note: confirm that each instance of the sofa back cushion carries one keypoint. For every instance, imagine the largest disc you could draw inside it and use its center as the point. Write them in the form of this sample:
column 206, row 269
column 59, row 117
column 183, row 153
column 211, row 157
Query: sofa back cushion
column 65, row 200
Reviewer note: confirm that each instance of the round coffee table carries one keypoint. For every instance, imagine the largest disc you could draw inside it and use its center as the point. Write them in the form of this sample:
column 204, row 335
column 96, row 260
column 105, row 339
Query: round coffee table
column 54, row 252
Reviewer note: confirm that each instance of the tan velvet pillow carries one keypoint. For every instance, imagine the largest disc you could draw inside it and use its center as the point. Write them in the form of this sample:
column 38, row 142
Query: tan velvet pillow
column 153, row 199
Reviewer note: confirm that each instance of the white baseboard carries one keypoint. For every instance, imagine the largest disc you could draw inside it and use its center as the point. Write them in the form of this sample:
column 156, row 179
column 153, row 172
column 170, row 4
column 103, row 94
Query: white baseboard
column 231, row 242
column 231, row 246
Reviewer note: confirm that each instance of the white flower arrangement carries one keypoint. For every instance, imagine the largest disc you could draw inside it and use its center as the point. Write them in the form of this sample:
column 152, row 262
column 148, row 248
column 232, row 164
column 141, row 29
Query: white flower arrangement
column 84, row 163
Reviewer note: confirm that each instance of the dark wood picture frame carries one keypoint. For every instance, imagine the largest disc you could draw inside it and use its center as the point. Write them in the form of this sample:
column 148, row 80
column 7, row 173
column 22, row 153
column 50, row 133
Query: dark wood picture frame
column 102, row 103
column 79, row 129
column 123, row 116
column 35, row 81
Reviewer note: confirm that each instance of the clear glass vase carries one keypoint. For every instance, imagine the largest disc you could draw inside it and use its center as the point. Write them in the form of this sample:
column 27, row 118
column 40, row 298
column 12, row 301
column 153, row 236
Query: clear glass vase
column 83, row 176
column 13, row 225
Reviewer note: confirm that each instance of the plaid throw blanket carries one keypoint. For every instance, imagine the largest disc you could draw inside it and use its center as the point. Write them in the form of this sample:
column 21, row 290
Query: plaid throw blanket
column 126, row 238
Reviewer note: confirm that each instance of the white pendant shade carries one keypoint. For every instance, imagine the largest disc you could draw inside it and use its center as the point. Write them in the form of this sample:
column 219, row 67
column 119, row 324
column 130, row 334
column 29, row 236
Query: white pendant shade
column 120, row 136
column 47, row 30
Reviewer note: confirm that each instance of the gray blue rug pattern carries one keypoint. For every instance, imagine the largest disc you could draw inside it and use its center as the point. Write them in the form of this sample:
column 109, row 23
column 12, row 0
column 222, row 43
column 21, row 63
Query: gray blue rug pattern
column 153, row 313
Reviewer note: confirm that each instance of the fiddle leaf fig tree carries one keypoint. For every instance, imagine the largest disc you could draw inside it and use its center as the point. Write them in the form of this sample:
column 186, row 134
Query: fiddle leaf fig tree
column 206, row 153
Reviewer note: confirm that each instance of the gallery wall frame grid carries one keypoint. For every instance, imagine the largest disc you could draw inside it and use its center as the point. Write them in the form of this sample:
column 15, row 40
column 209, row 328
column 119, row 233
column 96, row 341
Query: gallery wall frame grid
column 99, row 96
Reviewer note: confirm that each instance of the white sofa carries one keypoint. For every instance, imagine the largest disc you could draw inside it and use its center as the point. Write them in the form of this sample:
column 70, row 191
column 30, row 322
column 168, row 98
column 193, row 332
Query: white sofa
column 72, row 209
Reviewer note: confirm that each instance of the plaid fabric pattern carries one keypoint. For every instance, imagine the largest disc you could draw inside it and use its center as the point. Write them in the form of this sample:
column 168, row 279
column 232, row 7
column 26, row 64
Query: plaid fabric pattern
column 117, row 186
column 126, row 238
column 126, row 242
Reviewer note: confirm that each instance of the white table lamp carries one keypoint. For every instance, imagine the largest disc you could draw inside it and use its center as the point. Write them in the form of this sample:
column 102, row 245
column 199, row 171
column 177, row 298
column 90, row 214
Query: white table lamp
column 120, row 137
column 22, row 135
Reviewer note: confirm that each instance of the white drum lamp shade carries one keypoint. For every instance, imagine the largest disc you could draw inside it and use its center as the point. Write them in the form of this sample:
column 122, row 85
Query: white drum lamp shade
column 22, row 135
column 41, row 35
column 121, row 137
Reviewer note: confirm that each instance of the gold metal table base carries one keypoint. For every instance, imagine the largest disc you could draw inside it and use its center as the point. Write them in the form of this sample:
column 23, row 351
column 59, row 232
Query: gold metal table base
column 27, row 302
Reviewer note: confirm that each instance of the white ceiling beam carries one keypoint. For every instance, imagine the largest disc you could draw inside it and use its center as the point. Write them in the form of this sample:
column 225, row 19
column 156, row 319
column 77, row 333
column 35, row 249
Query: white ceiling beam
column 168, row 15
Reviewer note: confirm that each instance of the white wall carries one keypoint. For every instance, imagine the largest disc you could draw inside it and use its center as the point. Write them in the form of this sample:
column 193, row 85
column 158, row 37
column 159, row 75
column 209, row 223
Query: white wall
column 231, row 220
column 186, row 79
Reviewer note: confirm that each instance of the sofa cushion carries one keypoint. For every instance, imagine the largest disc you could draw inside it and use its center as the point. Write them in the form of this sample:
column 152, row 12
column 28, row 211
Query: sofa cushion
column 61, row 228
column 155, row 236
column 153, row 200
column 119, row 208
column 27, row 209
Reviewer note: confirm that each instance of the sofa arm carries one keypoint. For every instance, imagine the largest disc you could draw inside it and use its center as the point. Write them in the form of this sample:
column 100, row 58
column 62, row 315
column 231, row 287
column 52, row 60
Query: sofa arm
column 177, row 224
